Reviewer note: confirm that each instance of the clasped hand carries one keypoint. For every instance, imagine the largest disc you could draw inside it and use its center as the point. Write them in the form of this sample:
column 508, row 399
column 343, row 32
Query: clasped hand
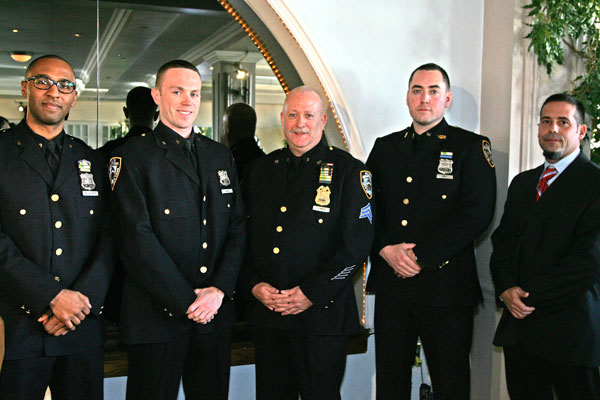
column 287, row 302
column 68, row 309
column 402, row 259
column 207, row 304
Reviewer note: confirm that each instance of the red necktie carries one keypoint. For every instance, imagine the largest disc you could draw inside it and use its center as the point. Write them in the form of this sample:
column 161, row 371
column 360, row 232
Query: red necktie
column 542, row 185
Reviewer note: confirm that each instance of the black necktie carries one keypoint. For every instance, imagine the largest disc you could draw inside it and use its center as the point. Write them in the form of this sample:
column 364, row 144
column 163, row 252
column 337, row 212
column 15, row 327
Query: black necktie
column 295, row 165
column 188, row 149
column 52, row 156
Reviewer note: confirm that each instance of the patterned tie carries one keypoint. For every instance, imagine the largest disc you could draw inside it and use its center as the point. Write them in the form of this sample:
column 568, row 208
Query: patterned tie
column 542, row 185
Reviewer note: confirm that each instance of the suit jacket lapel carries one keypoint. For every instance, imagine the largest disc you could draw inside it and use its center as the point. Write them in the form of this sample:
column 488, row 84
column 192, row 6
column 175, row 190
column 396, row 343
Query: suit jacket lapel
column 405, row 147
column 33, row 156
column 279, row 175
column 204, row 162
column 68, row 158
column 563, row 182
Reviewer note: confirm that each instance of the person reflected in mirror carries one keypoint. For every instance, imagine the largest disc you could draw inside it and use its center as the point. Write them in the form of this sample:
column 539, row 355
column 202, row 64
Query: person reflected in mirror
column 239, row 126
column 141, row 113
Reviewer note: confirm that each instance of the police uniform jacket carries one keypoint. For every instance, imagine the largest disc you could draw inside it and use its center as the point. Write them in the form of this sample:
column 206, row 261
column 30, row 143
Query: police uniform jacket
column 441, row 199
column 52, row 237
column 179, row 229
column 551, row 249
column 295, row 239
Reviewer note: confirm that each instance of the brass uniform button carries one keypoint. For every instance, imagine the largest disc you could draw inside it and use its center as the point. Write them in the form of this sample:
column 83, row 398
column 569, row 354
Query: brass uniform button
column 279, row 229
column 409, row 179
column 59, row 251
column 167, row 211
column 58, row 224
column 204, row 245
column 404, row 222
column 283, row 209
column 57, row 278
column 405, row 201
column 320, row 220
column 444, row 196
column 275, row 250
column 203, row 269
column 23, row 211
column 91, row 212
column 55, row 197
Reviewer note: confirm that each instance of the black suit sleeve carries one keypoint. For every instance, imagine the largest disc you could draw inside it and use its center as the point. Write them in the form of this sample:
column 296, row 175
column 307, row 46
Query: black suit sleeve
column 94, row 278
column 144, row 257
column 502, row 263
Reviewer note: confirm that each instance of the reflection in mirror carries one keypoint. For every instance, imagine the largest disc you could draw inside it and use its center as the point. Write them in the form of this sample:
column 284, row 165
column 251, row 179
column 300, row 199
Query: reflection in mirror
column 134, row 40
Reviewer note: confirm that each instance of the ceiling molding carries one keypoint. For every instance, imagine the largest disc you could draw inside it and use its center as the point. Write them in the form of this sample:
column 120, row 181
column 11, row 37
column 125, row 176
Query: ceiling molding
column 117, row 22
column 221, row 38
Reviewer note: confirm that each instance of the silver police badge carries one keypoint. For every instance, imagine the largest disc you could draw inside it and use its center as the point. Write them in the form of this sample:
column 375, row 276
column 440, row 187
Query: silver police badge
column 223, row 177
column 224, row 181
column 88, row 185
column 445, row 166
column 87, row 181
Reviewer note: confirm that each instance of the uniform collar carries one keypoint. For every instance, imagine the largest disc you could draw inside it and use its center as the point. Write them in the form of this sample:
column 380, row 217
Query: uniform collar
column 440, row 131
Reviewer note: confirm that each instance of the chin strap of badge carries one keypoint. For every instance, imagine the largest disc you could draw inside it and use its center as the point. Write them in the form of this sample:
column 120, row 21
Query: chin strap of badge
column 425, row 392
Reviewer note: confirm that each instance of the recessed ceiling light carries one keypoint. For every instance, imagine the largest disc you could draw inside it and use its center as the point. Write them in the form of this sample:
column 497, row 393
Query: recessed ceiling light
column 20, row 56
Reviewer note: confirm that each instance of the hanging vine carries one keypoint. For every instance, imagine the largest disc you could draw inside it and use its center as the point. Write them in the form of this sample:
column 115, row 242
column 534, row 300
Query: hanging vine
column 575, row 25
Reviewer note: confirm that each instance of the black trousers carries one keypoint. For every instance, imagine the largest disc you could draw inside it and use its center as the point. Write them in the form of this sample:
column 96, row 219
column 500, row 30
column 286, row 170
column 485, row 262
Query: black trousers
column 201, row 361
column 529, row 377
column 446, row 334
column 289, row 364
column 70, row 377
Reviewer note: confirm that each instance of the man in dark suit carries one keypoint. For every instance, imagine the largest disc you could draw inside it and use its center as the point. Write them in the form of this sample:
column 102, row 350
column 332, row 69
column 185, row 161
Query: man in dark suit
column 239, row 125
column 546, row 265
column 55, row 246
column 141, row 113
column 310, row 230
column 435, row 191
column 181, row 239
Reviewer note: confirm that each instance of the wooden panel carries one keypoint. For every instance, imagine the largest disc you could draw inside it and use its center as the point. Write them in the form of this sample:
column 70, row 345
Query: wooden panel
column 242, row 349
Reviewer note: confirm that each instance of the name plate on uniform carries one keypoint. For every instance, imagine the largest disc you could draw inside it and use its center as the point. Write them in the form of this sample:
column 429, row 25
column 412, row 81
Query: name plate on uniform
column 321, row 209
column 225, row 191
column 444, row 176
column 89, row 193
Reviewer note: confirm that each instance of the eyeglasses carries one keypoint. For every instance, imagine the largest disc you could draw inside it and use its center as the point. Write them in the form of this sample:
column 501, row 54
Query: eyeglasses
column 43, row 83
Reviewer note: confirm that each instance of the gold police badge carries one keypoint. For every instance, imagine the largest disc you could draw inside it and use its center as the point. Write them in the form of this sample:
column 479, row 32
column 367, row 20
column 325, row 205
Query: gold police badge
column 322, row 197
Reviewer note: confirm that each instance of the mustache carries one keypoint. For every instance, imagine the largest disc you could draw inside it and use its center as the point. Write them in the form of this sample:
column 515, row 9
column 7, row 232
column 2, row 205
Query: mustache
column 299, row 130
column 553, row 136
